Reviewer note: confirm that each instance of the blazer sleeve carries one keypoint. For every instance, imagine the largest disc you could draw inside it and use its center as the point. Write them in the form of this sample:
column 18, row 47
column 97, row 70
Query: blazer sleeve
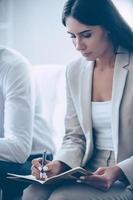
column 127, row 168
column 74, row 143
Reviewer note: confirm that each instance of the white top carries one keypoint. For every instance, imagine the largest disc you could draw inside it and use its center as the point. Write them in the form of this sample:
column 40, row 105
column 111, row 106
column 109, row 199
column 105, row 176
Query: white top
column 101, row 119
column 23, row 130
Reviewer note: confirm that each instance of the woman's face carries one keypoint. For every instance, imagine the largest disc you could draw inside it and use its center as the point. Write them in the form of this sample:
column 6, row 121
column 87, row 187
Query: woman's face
column 92, row 41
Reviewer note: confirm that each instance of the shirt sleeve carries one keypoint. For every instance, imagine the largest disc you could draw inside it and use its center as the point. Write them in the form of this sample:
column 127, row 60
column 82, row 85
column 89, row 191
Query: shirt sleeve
column 19, row 103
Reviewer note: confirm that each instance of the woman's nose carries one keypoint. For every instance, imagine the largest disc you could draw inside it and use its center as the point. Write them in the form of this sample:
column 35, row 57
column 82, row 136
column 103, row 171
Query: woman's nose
column 79, row 45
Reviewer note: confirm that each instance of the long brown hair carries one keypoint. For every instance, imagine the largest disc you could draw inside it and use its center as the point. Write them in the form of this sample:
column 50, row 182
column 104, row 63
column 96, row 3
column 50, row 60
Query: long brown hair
column 103, row 13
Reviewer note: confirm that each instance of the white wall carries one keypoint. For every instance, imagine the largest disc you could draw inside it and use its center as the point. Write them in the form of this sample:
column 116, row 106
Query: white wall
column 6, row 25
column 126, row 9
column 34, row 28
column 39, row 33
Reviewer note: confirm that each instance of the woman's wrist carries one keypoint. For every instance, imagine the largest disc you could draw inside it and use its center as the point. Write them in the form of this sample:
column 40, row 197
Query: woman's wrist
column 63, row 166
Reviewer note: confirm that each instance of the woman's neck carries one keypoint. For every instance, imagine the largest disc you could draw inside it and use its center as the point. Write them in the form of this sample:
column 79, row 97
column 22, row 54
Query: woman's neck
column 107, row 60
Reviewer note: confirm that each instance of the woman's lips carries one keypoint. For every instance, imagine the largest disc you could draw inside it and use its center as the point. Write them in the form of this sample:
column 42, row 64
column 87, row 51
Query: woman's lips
column 87, row 54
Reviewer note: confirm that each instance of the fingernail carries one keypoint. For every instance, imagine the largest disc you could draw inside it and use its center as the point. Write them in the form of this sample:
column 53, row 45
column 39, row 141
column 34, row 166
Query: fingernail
column 44, row 175
column 45, row 168
column 40, row 169
column 41, row 175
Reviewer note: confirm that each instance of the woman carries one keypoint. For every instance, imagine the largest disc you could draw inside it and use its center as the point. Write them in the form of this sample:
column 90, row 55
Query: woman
column 99, row 120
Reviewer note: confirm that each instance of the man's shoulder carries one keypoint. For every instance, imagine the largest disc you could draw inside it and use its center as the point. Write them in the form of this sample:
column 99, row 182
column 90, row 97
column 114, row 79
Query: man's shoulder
column 11, row 57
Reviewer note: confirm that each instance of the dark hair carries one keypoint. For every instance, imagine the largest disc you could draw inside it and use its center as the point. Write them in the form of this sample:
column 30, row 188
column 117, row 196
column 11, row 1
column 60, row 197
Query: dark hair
column 103, row 13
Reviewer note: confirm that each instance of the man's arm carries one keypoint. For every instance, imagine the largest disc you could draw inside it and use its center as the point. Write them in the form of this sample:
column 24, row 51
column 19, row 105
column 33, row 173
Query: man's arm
column 19, row 103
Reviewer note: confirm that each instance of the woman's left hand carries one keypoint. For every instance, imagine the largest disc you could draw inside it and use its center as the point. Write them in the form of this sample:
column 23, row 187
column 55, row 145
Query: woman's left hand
column 103, row 177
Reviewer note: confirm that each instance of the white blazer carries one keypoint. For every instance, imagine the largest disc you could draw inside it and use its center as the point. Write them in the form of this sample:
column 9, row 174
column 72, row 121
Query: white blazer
column 77, row 144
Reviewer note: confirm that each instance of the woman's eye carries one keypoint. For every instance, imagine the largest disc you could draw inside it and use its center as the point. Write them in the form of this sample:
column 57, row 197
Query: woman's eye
column 87, row 35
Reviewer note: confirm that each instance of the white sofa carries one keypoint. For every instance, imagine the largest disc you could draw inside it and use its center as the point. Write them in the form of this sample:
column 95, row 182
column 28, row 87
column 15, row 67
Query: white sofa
column 51, row 81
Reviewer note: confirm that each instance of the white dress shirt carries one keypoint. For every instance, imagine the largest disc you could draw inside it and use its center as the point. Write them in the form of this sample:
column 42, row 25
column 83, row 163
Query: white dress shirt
column 23, row 130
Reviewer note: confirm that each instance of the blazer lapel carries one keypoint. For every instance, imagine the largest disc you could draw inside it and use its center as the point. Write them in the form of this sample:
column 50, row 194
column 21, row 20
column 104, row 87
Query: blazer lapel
column 85, row 106
column 85, row 96
column 119, row 80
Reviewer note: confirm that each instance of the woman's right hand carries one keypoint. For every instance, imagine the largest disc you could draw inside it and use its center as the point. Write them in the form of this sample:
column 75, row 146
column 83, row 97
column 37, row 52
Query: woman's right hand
column 51, row 168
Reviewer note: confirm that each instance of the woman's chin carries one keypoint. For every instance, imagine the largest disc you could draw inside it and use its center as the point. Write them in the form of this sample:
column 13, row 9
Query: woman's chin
column 89, row 58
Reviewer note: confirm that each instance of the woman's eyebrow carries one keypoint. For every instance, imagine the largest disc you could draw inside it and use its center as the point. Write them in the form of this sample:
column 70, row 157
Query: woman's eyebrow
column 82, row 32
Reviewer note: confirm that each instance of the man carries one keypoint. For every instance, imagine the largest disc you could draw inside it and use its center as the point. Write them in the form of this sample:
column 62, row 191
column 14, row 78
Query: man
column 24, row 134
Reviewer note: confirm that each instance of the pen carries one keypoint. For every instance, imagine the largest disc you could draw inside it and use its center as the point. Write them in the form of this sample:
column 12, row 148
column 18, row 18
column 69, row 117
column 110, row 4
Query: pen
column 42, row 173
